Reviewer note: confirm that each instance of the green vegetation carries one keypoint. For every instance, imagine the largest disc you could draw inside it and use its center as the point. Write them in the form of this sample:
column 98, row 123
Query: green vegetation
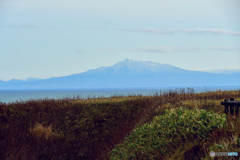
column 157, row 139
column 186, row 130
column 170, row 125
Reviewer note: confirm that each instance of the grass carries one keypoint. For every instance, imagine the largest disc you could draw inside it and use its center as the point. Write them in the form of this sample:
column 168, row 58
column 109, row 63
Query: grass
column 136, row 125
column 40, row 131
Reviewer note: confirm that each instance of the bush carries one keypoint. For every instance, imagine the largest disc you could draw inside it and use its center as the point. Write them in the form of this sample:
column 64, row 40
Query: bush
column 164, row 134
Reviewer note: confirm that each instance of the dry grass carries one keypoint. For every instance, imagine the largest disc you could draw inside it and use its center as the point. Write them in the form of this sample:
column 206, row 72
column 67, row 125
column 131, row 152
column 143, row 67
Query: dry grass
column 40, row 131
column 90, row 128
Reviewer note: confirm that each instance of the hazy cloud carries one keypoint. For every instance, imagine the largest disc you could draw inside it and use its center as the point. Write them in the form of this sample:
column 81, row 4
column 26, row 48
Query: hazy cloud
column 97, row 28
column 182, row 49
column 109, row 49
column 209, row 31
column 166, row 49
column 147, row 30
column 181, row 30
column 24, row 26
column 80, row 51
column 224, row 48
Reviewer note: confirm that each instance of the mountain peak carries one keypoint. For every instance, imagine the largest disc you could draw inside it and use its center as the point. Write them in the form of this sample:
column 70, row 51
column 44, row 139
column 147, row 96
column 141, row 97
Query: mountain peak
column 127, row 74
column 129, row 66
column 132, row 67
column 128, row 61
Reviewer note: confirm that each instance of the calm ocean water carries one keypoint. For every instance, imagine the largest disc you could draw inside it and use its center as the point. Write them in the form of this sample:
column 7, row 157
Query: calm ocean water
column 18, row 95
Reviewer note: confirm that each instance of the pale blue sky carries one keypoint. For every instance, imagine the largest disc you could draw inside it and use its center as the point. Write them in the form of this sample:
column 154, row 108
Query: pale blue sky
column 56, row 38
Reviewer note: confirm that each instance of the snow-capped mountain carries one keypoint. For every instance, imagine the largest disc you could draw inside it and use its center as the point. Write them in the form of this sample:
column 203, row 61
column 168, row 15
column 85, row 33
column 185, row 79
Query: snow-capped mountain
column 137, row 67
column 145, row 67
column 128, row 74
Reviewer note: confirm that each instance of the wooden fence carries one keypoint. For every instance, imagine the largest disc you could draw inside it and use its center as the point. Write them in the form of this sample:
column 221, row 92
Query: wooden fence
column 231, row 107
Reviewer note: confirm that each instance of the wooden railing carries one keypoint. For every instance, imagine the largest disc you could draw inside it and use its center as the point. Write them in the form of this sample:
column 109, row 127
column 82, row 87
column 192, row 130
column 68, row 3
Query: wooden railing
column 231, row 107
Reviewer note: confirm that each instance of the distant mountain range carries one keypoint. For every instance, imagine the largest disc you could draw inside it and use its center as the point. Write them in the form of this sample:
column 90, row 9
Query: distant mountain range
column 222, row 71
column 128, row 74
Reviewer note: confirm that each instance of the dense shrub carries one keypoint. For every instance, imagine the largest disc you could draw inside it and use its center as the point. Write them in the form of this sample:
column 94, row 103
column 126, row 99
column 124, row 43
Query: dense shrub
column 154, row 140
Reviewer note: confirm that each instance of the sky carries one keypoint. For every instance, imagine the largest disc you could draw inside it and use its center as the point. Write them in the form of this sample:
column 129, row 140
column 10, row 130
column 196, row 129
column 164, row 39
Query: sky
column 42, row 39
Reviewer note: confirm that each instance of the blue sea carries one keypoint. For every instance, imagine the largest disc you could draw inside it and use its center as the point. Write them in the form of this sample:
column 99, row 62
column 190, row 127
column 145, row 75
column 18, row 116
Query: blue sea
column 23, row 95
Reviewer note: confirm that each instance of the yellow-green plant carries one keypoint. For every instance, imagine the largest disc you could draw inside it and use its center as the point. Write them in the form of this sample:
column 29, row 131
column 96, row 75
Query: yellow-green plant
column 165, row 132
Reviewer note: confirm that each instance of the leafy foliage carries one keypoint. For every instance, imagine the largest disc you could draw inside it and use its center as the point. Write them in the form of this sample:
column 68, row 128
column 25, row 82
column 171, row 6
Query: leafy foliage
column 155, row 139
